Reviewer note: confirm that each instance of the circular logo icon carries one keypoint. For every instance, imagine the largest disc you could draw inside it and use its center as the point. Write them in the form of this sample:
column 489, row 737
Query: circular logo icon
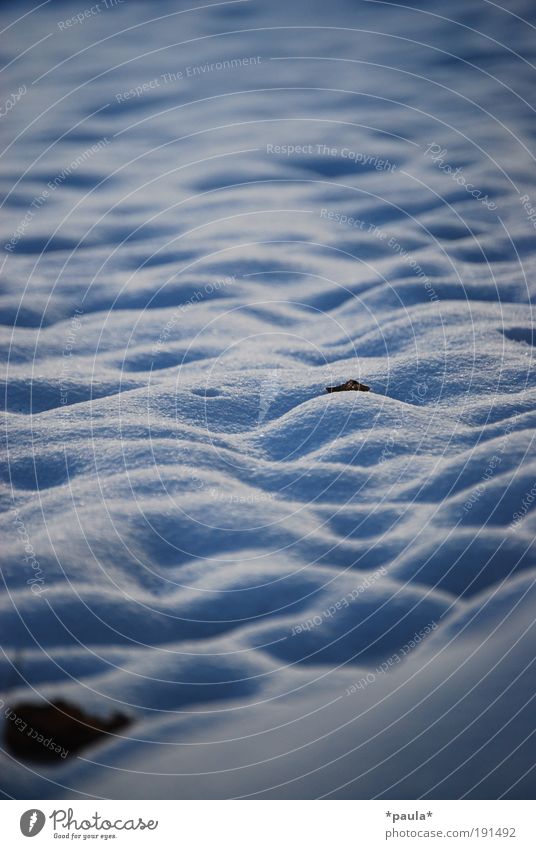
column 31, row 822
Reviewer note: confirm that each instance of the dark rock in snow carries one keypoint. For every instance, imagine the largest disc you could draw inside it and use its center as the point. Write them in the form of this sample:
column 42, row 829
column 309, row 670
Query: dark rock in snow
column 50, row 733
column 349, row 386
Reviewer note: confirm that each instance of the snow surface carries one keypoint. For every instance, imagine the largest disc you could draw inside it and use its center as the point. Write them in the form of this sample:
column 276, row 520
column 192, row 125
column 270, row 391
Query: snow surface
column 293, row 594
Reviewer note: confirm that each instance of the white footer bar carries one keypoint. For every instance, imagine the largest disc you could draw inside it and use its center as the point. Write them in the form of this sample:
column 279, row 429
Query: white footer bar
column 269, row 824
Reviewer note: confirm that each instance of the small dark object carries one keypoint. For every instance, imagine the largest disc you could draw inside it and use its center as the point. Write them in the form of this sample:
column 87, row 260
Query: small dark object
column 50, row 733
column 349, row 386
